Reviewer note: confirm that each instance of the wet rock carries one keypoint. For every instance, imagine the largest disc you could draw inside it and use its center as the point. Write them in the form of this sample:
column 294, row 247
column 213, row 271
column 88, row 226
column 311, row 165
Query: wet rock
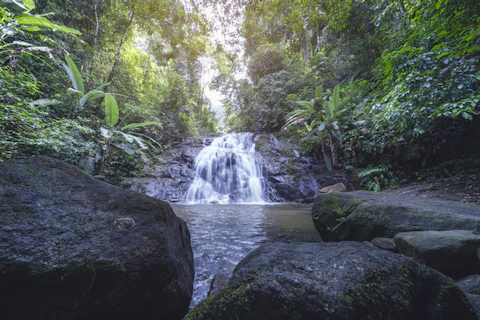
column 338, row 187
column 346, row 280
column 294, row 238
column 218, row 282
column 170, row 180
column 385, row 244
column 363, row 215
column 72, row 247
column 452, row 252
column 471, row 286
column 291, row 177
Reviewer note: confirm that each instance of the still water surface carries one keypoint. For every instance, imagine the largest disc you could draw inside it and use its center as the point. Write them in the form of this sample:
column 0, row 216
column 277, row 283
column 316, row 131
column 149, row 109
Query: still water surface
column 223, row 234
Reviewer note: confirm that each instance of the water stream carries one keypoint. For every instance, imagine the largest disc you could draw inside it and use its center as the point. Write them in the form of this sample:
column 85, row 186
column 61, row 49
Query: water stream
column 223, row 234
column 227, row 211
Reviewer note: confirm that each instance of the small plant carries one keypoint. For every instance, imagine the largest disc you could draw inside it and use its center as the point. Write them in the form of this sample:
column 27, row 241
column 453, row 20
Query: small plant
column 111, row 109
column 342, row 213
column 376, row 178
column 117, row 147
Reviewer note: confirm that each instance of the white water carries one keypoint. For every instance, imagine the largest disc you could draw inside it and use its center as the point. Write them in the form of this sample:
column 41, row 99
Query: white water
column 226, row 172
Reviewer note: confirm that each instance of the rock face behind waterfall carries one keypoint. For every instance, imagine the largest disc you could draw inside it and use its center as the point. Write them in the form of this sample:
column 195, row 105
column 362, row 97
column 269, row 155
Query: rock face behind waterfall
column 170, row 180
column 72, row 247
column 287, row 176
column 290, row 176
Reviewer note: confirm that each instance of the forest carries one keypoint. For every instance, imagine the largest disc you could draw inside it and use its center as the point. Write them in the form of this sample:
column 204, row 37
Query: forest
column 111, row 84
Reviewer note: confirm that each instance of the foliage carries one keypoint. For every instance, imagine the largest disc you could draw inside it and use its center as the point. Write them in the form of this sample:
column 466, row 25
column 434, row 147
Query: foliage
column 324, row 116
column 410, row 68
column 139, row 60
column 377, row 178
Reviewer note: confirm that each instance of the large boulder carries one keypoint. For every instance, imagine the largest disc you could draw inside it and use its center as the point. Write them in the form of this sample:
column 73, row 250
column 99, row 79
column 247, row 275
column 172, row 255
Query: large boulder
column 471, row 286
column 452, row 252
column 72, row 247
column 363, row 215
column 345, row 280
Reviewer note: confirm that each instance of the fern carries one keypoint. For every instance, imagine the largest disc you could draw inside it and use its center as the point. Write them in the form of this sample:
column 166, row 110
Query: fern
column 377, row 177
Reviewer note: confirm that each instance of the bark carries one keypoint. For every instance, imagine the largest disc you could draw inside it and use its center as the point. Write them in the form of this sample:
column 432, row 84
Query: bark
column 122, row 41
column 333, row 151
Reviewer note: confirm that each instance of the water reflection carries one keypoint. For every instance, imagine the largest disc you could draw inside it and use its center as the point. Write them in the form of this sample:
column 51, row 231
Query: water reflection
column 223, row 234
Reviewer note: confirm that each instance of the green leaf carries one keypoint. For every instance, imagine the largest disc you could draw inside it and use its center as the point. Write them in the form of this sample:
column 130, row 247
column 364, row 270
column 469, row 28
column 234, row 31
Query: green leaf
column 141, row 124
column 102, row 86
column 318, row 92
column 23, row 43
column 335, row 97
column 131, row 138
column 29, row 4
column 91, row 95
column 15, row 6
column 32, row 28
column 39, row 21
column 74, row 74
column 306, row 104
column 322, row 126
column 111, row 109
column 337, row 134
column 328, row 162
column 311, row 133
column 467, row 116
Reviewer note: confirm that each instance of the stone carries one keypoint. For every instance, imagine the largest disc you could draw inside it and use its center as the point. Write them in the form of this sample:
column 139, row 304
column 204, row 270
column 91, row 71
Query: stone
column 72, row 247
column 218, row 282
column 363, row 215
column 385, row 244
column 471, row 286
column 338, row 187
column 295, row 238
column 452, row 252
column 345, row 280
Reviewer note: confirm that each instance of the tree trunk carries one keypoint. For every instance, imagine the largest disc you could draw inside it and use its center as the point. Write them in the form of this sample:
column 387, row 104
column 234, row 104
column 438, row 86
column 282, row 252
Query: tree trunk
column 333, row 151
column 324, row 148
column 119, row 48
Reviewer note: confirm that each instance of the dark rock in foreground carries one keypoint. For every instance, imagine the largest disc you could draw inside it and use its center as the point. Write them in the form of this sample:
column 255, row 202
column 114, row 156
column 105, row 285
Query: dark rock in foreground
column 362, row 215
column 471, row 286
column 452, row 252
column 345, row 280
column 72, row 247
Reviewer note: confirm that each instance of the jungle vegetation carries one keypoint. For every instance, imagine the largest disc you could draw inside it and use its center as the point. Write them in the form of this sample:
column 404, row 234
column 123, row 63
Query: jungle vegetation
column 386, row 83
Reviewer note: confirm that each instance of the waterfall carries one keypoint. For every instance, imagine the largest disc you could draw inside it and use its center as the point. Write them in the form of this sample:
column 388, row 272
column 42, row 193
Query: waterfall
column 226, row 172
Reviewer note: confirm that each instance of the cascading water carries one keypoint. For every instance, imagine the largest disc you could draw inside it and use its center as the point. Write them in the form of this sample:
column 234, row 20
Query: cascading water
column 226, row 172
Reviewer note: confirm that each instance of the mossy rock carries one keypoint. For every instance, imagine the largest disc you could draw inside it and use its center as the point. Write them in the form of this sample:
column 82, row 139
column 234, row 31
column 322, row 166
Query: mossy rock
column 362, row 215
column 72, row 247
column 344, row 280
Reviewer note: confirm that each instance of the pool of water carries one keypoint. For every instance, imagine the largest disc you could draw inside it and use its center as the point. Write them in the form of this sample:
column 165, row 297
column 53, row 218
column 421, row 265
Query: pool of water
column 223, row 234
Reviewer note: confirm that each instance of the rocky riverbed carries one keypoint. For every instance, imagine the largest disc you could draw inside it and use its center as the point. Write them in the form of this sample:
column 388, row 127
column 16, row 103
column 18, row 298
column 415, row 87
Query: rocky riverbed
column 73, row 247
column 388, row 256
